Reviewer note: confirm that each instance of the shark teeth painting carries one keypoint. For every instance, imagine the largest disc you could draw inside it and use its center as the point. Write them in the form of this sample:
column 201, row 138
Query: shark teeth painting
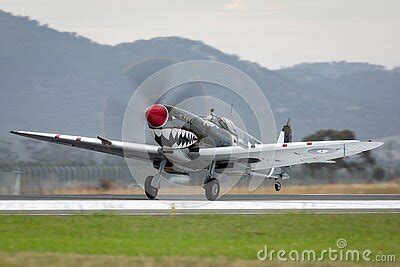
column 174, row 137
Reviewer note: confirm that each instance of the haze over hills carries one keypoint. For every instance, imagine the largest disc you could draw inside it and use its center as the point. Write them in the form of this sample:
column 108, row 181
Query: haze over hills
column 61, row 82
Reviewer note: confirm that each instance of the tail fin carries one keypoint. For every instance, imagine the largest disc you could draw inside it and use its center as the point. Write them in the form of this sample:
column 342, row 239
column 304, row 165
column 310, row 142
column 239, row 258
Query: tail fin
column 285, row 136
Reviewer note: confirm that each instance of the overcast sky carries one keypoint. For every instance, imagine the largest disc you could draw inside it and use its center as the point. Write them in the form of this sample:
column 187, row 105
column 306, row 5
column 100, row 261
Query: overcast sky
column 272, row 33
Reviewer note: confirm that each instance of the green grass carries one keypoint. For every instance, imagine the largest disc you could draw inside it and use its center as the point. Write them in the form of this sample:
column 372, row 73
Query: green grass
column 223, row 236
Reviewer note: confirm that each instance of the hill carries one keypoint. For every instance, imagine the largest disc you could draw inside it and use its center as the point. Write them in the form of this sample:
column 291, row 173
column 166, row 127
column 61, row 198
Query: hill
column 62, row 82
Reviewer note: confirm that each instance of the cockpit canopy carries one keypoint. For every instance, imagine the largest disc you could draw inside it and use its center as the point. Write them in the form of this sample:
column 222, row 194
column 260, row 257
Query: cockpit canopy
column 222, row 122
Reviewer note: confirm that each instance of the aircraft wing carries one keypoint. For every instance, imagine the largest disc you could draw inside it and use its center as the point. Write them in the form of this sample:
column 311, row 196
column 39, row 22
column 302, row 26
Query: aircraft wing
column 132, row 150
column 293, row 153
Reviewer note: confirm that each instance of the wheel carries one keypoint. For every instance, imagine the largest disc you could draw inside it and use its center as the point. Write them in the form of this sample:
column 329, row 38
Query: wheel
column 212, row 188
column 277, row 186
column 150, row 191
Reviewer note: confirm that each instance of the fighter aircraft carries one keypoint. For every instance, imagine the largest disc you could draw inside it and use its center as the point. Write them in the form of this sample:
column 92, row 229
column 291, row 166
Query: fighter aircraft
column 210, row 144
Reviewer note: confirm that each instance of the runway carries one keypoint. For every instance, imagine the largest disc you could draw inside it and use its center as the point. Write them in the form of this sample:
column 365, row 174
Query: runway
column 228, row 197
column 229, row 204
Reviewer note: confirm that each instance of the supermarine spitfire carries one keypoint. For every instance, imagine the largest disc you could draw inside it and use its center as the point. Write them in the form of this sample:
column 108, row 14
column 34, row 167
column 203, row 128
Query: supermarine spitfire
column 189, row 144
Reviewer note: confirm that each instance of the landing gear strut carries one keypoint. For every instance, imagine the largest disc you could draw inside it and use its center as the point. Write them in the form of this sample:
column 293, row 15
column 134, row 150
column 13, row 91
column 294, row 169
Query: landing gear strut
column 152, row 183
column 211, row 185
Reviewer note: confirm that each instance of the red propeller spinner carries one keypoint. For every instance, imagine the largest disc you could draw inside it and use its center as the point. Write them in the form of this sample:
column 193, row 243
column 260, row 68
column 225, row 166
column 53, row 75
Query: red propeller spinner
column 156, row 115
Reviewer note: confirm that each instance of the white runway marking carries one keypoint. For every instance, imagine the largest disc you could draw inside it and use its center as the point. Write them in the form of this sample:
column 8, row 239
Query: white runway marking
column 146, row 206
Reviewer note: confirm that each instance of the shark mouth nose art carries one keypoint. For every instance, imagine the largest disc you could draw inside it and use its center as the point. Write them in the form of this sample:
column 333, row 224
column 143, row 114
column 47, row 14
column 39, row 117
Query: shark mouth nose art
column 174, row 137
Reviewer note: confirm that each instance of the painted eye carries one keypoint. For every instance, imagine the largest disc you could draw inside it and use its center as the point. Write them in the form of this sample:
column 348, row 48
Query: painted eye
column 156, row 115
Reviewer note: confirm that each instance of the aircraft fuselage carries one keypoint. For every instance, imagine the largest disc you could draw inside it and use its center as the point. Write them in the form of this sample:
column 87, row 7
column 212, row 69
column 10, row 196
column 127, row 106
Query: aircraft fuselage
column 179, row 133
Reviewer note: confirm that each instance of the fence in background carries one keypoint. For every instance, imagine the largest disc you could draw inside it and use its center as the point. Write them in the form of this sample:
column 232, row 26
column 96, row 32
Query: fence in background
column 72, row 179
column 41, row 179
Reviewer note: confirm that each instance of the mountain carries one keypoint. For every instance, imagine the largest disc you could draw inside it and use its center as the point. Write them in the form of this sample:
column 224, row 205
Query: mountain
column 62, row 82
column 358, row 96
column 331, row 69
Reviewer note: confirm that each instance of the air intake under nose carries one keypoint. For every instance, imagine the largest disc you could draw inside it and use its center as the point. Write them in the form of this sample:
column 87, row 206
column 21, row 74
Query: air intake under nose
column 156, row 115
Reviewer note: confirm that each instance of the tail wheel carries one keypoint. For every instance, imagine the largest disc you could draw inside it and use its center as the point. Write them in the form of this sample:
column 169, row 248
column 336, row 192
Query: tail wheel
column 150, row 191
column 278, row 186
column 212, row 188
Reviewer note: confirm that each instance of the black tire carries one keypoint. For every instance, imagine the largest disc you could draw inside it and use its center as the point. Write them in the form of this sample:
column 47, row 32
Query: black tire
column 278, row 186
column 212, row 188
column 150, row 191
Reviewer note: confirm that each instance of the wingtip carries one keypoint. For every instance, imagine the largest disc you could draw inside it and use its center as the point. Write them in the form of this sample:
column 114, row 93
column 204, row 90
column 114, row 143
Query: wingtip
column 380, row 143
column 17, row 132
column 375, row 144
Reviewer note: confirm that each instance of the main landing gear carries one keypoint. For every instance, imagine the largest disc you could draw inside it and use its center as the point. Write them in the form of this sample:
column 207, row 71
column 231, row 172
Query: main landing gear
column 150, row 191
column 153, row 183
column 211, row 185
column 212, row 188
